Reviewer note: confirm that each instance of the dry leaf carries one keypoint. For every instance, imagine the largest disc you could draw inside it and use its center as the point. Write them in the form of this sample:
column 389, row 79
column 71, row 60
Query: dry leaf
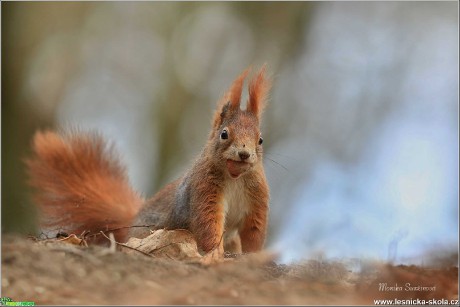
column 176, row 244
column 72, row 239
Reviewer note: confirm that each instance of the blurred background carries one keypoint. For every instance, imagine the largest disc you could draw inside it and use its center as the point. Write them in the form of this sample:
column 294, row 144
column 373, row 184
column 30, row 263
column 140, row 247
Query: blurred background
column 360, row 135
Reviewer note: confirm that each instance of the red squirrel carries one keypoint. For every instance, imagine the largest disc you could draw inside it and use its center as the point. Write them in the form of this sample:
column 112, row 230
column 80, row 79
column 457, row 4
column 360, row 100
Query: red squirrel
column 222, row 199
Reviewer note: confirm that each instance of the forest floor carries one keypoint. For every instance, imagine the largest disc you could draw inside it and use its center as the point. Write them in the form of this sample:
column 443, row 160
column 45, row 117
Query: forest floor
column 65, row 274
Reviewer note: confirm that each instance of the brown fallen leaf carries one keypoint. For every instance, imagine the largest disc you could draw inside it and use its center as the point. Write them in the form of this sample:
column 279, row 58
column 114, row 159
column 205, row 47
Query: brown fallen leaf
column 73, row 239
column 174, row 244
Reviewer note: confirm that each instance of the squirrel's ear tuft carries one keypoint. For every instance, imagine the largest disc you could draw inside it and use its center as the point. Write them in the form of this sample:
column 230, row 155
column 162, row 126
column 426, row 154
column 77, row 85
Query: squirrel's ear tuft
column 231, row 99
column 234, row 93
column 259, row 87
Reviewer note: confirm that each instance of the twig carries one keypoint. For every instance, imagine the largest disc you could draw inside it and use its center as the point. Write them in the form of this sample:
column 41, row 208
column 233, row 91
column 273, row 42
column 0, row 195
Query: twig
column 113, row 246
column 124, row 245
column 116, row 229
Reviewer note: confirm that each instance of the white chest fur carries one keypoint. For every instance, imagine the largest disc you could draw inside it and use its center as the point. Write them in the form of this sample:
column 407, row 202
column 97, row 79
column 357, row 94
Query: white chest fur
column 236, row 204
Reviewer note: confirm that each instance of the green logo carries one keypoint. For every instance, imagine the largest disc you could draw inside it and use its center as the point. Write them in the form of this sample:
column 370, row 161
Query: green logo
column 5, row 300
column 8, row 301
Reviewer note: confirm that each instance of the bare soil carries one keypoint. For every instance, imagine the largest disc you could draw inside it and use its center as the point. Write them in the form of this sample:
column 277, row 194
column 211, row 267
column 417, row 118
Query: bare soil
column 51, row 274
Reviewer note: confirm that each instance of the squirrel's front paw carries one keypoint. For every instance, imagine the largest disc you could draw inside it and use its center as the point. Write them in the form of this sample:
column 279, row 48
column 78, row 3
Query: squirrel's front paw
column 213, row 257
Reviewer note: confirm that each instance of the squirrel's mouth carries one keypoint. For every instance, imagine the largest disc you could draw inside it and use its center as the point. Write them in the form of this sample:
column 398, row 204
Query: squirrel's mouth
column 236, row 168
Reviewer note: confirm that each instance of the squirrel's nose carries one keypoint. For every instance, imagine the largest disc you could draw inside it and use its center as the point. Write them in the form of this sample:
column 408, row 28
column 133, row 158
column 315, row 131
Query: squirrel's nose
column 243, row 155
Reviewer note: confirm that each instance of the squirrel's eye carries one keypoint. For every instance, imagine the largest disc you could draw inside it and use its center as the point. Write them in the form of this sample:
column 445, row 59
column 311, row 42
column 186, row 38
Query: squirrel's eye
column 224, row 134
column 261, row 140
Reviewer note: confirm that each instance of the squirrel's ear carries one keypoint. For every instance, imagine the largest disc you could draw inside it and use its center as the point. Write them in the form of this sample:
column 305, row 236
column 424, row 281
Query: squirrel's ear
column 234, row 92
column 258, row 91
column 231, row 99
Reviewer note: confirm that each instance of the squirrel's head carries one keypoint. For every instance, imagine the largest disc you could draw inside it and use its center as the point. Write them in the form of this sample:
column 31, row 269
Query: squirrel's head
column 235, row 137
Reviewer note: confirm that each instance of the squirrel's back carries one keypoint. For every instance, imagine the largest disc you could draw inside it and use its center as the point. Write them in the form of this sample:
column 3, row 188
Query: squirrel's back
column 80, row 185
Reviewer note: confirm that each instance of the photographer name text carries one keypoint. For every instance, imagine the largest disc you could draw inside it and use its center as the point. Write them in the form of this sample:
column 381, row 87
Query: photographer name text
column 406, row 287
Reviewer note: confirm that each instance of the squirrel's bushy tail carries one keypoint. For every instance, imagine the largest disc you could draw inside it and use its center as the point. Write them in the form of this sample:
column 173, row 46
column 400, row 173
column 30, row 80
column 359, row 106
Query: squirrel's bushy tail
column 80, row 185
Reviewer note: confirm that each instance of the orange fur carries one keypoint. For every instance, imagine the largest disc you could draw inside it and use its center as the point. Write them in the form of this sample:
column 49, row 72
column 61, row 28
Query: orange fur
column 207, row 221
column 258, row 91
column 234, row 93
column 232, row 96
column 254, row 229
column 80, row 186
